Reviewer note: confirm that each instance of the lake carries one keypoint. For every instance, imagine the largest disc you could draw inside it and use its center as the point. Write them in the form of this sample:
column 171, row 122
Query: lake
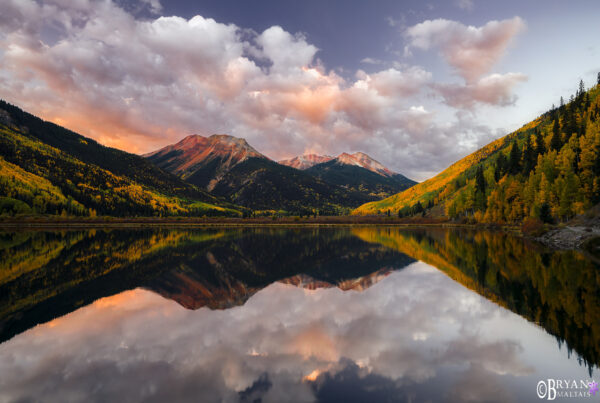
column 360, row 314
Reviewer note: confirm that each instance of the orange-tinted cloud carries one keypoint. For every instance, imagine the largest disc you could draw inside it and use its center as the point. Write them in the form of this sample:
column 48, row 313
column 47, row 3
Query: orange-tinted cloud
column 142, row 84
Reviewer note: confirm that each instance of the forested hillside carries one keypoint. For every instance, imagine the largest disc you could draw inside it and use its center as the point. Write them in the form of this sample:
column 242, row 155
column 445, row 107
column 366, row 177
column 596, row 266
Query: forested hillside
column 548, row 169
column 265, row 185
column 46, row 169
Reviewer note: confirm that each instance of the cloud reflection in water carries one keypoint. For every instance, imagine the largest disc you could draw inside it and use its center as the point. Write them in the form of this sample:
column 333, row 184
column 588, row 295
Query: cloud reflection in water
column 415, row 335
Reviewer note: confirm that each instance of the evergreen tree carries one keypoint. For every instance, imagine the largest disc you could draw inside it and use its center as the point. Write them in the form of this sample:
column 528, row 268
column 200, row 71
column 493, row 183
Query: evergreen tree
column 417, row 208
column 586, row 101
column 480, row 199
column 514, row 159
column 540, row 147
column 598, row 78
column 546, row 213
column 529, row 157
column 479, row 180
column 501, row 166
column 581, row 89
column 570, row 122
column 555, row 142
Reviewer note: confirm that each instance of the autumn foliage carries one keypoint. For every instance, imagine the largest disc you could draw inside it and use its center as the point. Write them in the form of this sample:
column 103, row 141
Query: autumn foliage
column 532, row 226
column 548, row 169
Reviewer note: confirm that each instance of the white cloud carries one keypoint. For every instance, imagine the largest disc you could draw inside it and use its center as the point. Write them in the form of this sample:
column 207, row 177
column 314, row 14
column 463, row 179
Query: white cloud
column 393, row 82
column 139, row 84
column 284, row 50
column 495, row 89
column 370, row 60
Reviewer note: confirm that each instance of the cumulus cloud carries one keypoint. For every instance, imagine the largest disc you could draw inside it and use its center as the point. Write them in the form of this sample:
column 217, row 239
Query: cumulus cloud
column 495, row 89
column 393, row 82
column 472, row 51
column 284, row 50
column 142, row 83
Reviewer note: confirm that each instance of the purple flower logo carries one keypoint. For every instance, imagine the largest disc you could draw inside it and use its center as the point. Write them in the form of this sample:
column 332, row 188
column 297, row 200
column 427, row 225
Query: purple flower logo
column 593, row 388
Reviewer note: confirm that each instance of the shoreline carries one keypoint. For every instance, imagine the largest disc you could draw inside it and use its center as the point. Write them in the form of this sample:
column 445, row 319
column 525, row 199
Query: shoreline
column 556, row 238
column 332, row 221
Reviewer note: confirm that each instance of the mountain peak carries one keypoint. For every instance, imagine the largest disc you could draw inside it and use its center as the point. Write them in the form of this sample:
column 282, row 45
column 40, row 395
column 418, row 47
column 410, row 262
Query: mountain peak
column 188, row 155
column 200, row 142
column 228, row 139
column 306, row 161
column 359, row 159
column 195, row 149
column 364, row 161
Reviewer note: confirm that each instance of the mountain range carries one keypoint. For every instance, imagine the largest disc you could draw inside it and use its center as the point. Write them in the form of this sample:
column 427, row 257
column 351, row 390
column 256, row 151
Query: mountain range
column 50, row 170
column 229, row 167
column 549, row 170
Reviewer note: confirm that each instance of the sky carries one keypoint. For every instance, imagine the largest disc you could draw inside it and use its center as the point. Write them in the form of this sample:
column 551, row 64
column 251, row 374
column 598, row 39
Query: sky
column 416, row 85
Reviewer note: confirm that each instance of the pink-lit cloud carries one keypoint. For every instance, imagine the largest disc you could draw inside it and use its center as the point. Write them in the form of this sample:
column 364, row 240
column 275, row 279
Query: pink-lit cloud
column 140, row 84
column 472, row 51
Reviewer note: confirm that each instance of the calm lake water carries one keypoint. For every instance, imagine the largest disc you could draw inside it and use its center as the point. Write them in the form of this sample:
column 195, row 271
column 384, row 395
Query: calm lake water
column 332, row 314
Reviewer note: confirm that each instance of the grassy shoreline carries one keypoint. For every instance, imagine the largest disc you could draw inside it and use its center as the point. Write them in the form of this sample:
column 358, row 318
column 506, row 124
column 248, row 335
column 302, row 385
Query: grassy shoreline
column 144, row 222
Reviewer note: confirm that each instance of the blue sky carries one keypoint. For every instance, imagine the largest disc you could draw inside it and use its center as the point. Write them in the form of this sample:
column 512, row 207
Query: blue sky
column 416, row 85
column 559, row 43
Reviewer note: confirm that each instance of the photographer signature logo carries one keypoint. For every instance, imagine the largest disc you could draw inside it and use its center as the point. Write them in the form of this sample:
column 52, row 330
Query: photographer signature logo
column 550, row 389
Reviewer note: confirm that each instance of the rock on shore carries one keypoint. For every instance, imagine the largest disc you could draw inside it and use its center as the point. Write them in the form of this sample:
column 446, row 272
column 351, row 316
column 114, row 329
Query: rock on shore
column 569, row 237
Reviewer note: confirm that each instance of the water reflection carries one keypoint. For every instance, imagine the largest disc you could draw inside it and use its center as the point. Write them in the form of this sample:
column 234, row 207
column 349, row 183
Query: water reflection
column 46, row 274
column 267, row 316
column 559, row 290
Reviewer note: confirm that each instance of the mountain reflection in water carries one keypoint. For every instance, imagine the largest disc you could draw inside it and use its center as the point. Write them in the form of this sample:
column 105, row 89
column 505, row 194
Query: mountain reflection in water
column 291, row 315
